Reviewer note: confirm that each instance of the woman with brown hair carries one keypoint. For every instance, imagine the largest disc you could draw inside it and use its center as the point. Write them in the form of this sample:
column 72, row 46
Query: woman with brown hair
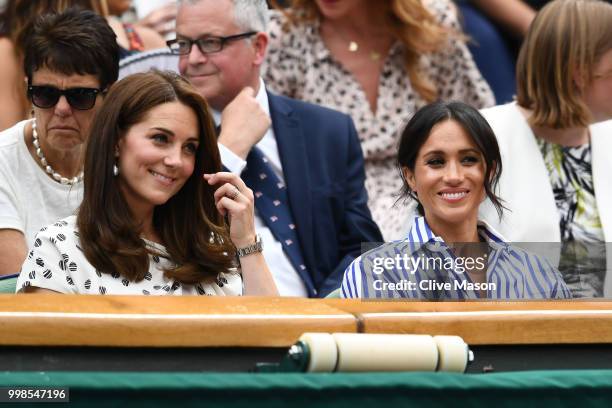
column 556, row 181
column 153, row 215
column 378, row 61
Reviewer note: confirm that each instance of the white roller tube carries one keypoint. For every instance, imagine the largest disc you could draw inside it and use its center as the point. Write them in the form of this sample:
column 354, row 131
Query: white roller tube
column 452, row 353
column 323, row 352
column 385, row 352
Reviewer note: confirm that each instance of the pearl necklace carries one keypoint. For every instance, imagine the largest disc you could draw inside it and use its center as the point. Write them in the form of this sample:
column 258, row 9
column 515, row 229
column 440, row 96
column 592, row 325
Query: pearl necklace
column 56, row 176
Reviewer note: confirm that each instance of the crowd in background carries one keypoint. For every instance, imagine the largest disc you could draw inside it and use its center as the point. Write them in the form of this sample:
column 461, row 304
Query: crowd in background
column 281, row 136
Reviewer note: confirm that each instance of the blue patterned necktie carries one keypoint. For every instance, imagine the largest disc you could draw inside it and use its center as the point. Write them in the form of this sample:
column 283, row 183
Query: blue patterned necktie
column 272, row 203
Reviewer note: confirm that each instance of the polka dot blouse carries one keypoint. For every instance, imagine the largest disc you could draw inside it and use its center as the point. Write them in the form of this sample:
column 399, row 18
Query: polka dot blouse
column 56, row 262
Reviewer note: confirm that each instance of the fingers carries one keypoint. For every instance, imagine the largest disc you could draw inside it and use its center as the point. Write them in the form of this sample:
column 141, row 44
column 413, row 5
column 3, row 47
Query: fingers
column 230, row 191
column 226, row 205
column 227, row 177
column 232, row 195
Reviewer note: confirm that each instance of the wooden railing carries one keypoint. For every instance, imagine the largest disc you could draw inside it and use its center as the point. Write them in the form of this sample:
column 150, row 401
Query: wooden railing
column 139, row 321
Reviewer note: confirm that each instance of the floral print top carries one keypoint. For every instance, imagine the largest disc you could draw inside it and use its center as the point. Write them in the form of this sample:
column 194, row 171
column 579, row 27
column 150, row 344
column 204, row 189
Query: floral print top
column 583, row 253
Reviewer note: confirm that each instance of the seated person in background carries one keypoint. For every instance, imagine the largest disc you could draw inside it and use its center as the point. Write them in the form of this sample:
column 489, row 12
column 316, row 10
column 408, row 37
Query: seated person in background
column 450, row 162
column 151, row 221
column 495, row 29
column 132, row 38
column 378, row 61
column 306, row 170
column 557, row 165
column 70, row 61
column 15, row 23
column 158, row 15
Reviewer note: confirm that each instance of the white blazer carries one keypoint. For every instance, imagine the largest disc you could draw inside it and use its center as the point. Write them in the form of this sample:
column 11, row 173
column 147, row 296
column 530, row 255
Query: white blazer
column 525, row 185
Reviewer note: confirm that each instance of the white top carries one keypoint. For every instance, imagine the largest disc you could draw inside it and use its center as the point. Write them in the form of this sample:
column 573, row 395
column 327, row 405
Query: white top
column 525, row 184
column 160, row 59
column 288, row 281
column 29, row 198
column 56, row 262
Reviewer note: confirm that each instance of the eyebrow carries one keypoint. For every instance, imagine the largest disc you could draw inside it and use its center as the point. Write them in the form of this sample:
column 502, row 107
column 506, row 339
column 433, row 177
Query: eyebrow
column 163, row 130
column 171, row 133
column 199, row 37
column 462, row 151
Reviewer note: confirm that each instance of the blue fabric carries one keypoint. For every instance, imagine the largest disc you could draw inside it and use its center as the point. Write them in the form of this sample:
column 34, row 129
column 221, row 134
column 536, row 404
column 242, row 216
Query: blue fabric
column 272, row 202
column 324, row 173
column 491, row 52
column 512, row 272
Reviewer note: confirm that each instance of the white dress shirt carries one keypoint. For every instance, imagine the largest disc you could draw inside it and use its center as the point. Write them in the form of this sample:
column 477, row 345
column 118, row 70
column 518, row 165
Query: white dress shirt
column 288, row 281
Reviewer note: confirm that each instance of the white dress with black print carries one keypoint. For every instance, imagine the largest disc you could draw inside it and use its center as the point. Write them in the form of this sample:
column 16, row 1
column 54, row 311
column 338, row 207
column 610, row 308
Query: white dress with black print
column 56, row 262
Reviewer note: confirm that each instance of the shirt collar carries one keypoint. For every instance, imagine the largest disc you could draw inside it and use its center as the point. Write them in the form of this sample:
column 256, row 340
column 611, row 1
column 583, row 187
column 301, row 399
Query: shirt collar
column 421, row 233
column 261, row 98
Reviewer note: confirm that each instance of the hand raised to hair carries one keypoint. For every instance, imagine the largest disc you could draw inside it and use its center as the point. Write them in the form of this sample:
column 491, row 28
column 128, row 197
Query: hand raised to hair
column 236, row 201
column 243, row 123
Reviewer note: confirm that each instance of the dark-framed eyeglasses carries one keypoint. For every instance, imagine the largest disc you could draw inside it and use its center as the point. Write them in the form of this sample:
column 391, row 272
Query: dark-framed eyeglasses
column 206, row 45
column 45, row 96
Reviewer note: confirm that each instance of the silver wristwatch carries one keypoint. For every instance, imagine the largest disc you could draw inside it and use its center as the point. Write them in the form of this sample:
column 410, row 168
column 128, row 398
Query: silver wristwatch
column 257, row 246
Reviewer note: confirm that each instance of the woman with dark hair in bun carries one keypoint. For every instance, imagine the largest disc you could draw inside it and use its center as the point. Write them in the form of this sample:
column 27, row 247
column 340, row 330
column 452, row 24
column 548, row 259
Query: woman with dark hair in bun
column 450, row 163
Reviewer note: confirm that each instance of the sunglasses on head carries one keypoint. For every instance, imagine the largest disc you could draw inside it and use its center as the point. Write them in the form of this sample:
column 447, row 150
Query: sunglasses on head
column 47, row 96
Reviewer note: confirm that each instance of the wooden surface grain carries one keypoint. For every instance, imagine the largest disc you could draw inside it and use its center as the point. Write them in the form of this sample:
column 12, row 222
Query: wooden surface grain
column 141, row 321
column 488, row 322
column 72, row 320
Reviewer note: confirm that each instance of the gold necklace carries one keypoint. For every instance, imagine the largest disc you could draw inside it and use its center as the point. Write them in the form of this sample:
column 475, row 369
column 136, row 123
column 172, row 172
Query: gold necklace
column 354, row 47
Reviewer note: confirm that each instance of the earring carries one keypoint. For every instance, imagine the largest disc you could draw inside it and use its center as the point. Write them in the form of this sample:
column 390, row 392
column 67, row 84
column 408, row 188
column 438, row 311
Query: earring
column 115, row 170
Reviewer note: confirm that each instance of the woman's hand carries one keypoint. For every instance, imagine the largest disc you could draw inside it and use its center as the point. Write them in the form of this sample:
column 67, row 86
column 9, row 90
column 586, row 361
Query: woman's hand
column 236, row 201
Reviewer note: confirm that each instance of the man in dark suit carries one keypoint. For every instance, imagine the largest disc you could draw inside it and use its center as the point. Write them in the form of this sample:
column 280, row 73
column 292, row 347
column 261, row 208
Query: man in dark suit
column 306, row 170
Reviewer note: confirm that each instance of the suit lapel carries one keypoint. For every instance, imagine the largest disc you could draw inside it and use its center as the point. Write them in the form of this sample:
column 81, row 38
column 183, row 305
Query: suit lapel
column 289, row 135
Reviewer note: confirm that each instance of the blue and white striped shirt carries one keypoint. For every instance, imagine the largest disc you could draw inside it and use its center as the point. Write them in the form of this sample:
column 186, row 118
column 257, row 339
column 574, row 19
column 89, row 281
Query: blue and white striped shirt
column 422, row 266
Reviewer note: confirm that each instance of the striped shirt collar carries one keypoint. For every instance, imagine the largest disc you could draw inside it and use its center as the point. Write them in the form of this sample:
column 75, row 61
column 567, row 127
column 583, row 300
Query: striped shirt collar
column 421, row 233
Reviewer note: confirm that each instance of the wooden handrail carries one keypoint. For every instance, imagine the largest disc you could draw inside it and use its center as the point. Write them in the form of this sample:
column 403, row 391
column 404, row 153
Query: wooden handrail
column 174, row 321
column 141, row 321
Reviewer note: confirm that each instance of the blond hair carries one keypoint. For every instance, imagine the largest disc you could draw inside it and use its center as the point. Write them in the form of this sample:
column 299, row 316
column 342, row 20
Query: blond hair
column 408, row 21
column 565, row 41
